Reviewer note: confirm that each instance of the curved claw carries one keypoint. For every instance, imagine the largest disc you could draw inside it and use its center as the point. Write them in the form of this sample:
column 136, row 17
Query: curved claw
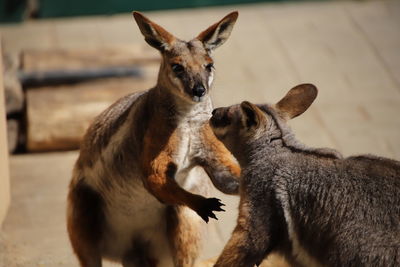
column 212, row 215
column 207, row 208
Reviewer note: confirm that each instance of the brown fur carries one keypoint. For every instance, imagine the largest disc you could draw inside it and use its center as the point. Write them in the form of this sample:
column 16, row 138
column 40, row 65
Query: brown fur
column 296, row 101
column 138, row 183
column 219, row 153
column 85, row 239
column 238, row 239
column 184, row 235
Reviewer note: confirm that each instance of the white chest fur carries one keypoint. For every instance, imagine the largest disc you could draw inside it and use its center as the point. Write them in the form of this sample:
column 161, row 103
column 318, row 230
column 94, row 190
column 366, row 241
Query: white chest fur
column 133, row 211
column 190, row 142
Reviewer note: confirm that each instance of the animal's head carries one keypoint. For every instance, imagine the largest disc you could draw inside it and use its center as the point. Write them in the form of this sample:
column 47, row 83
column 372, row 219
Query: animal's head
column 242, row 124
column 187, row 68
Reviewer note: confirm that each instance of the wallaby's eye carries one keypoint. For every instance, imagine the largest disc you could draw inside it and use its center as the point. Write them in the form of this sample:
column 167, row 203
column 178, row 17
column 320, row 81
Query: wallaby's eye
column 209, row 67
column 177, row 68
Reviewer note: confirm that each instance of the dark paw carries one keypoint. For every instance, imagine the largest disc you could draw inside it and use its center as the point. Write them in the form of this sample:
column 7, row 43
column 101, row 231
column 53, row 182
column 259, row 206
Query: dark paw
column 207, row 208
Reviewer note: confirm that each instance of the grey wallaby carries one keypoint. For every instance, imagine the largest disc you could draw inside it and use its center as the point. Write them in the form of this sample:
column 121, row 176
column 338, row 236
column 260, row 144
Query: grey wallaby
column 312, row 206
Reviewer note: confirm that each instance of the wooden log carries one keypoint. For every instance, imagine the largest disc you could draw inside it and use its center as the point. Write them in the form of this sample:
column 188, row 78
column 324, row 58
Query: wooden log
column 57, row 77
column 50, row 60
column 58, row 116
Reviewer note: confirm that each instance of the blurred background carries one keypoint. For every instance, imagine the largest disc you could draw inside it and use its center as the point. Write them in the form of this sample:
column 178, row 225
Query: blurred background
column 64, row 61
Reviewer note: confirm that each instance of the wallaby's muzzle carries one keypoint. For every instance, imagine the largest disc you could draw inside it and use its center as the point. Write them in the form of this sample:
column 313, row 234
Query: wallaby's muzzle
column 219, row 118
column 198, row 92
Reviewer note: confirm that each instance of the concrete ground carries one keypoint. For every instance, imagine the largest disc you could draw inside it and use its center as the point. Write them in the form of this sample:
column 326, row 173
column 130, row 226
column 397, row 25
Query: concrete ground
column 350, row 50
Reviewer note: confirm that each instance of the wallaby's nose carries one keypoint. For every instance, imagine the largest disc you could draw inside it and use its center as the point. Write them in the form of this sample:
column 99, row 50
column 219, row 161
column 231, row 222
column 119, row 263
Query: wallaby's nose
column 199, row 90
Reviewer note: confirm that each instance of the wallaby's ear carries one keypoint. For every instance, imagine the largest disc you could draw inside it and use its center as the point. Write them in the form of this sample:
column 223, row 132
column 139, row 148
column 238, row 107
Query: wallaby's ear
column 154, row 34
column 218, row 33
column 297, row 100
column 252, row 115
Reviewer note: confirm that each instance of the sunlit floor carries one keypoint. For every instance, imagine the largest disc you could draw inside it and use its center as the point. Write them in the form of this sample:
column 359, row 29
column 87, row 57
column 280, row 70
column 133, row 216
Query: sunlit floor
column 350, row 50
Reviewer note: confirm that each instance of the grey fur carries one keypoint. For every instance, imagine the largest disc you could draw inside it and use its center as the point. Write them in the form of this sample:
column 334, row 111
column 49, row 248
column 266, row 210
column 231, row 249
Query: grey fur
column 311, row 205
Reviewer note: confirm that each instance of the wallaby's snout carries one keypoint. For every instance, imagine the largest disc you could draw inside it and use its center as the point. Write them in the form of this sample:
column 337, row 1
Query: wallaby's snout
column 225, row 124
column 199, row 90
column 220, row 118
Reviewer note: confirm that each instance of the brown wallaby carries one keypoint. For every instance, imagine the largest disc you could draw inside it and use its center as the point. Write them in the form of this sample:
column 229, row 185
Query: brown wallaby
column 312, row 206
column 139, row 179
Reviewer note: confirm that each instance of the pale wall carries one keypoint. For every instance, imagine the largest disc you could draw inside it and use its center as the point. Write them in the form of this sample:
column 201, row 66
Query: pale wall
column 4, row 167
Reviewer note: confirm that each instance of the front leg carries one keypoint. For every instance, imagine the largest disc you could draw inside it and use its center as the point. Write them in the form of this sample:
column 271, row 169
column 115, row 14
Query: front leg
column 236, row 251
column 247, row 246
column 160, row 182
column 218, row 162
column 159, row 170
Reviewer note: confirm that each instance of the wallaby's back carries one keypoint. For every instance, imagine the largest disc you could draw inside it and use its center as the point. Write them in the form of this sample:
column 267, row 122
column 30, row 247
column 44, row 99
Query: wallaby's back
column 347, row 211
column 109, row 122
